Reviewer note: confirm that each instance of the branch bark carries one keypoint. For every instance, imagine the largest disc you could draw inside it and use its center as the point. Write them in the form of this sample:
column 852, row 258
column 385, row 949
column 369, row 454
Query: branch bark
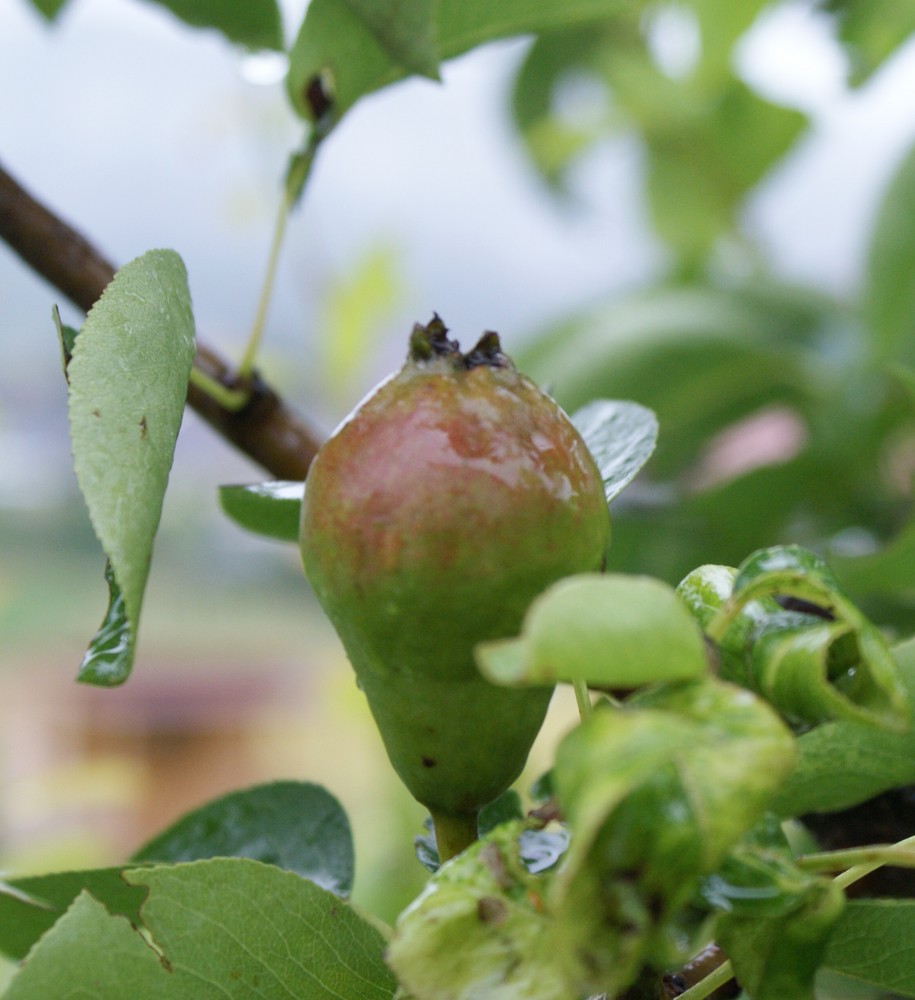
column 266, row 430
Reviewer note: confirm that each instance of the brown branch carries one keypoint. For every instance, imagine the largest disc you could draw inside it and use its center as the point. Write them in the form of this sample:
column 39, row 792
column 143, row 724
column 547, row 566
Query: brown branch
column 265, row 429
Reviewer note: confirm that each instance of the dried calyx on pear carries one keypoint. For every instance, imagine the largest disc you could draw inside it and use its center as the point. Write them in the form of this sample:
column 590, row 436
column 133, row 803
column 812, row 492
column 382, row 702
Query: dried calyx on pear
column 451, row 497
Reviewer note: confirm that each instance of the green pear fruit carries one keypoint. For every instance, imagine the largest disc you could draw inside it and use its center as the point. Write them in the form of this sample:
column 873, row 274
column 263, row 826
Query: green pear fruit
column 452, row 496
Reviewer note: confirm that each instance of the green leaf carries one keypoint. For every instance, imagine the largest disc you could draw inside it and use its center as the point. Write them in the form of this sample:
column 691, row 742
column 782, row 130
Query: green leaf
column 91, row 953
column 778, row 957
column 225, row 928
column 272, row 509
column 256, row 24
column 29, row 907
column 127, row 385
column 612, row 631
column 405, row 29
column 874, row 942
column 66, row 336
column 871, row 30
column 479, row 929
column 841, row 764
column 820, row 660
column 294, row 825
column 48, row 8
column 889, row 297
column 655, row 795
column 620, row 436
column 334, row 39
column 701, row 164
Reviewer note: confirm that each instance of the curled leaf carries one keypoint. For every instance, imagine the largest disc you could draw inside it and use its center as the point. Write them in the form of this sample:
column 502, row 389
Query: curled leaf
column 609, row 630
column 787, row 629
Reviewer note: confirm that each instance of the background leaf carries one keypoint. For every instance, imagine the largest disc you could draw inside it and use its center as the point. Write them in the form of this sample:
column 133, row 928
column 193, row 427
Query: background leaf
column 889, row 298
column 871, row 30
column 127, row 385
column 333, row 37
column 272, row 509
column 48, row 8
column 406, row 30
column 620, row 436
column 227, row 928
column 256, row 24
column 294, row 825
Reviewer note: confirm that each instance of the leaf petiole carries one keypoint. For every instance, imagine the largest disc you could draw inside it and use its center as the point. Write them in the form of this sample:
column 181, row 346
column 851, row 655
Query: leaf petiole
column 232, row 400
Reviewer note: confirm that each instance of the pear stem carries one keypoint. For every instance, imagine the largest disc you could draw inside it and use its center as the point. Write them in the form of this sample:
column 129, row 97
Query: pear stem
column 453, row 834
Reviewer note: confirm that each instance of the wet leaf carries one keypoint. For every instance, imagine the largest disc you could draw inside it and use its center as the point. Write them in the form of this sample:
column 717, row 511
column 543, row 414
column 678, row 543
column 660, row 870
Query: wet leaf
column 272, row 509
column 621, row 436
column 294, row 825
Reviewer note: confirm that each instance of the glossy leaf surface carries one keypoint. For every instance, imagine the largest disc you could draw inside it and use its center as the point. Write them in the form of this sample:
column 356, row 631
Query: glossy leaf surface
column 620, row 436
column 297, row 826
column 788, row 630
column 272, row 509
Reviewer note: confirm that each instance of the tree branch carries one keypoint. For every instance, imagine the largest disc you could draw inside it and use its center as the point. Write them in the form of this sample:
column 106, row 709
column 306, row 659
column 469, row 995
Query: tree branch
column 265, row 429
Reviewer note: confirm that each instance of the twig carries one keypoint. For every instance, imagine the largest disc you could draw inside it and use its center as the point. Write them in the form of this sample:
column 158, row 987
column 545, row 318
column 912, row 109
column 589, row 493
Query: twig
column 265, row 428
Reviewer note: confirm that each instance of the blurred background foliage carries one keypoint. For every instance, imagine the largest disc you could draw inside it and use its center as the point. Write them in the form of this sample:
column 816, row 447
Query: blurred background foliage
column 786, row 414
column 786, row 408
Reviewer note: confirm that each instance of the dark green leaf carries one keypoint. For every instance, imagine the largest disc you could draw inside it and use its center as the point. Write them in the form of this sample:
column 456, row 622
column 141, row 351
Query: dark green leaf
column 890, row 292
column 127, row 386
column 334, row 39
column 225, row 928
column 621, row 437
column 272, row 509
column 609, row 630
column 30, row 906
column 778, row 957
column 294, row 825
column 874, row 942
column 506, row 808
column 405, row 29
column 256, row 24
